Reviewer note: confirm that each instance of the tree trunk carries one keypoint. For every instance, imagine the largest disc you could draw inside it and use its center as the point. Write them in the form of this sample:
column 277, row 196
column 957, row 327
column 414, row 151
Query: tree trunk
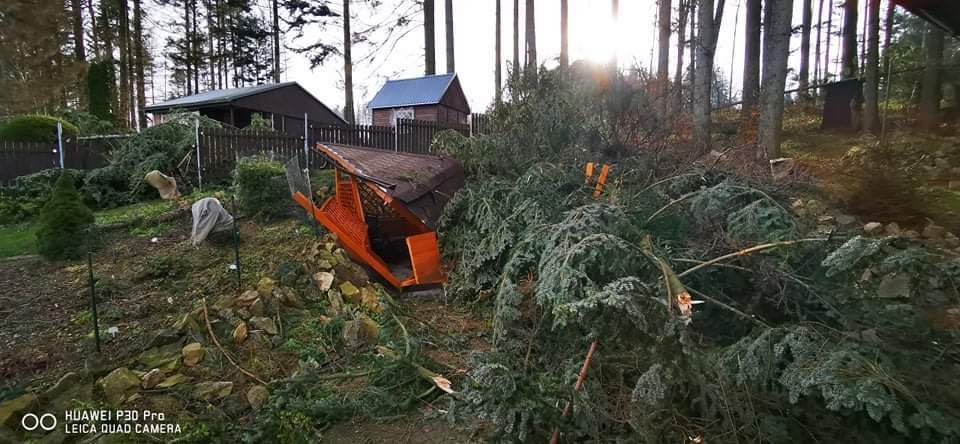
column 826, row 55
column 871, row 89
column 751, row 61
column 615, row 14
column 706, row 46
column 930, row 93
column 123, row 34
column 849, row 56
column 197, row 47
column 803, row 77
column 776, row 51
column 94, row 30
column 516, row 38
column 692, row 72
column 816, row 58
column 887, row 34
column 79, row 51
column 448, row 13
column 187, row 45
column 681, row 43
column 429, row 39
column 140, row 55
column 663, row 57
column 531, row 21
column 498, row 78
column 347, row 65
column 276, row 41
column 564, row 36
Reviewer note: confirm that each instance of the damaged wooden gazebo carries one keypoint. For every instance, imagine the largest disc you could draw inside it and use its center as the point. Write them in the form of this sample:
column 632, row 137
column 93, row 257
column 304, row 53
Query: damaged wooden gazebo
column 386, row 208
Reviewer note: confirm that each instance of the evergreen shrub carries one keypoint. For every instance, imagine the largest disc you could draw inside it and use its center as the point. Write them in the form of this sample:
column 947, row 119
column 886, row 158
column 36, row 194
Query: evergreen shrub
column 63, row 222
column 261, row 187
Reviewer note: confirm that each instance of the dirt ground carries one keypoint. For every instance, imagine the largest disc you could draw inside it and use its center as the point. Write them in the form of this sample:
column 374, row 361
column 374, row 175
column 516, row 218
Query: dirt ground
column 145, row 285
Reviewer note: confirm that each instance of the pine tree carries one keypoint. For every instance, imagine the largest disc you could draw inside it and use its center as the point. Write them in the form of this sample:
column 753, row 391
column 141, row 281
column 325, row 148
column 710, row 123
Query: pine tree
column 429, row 39
column 448, row 14
column 64, row 221
column 531, row 28
column 776, row 50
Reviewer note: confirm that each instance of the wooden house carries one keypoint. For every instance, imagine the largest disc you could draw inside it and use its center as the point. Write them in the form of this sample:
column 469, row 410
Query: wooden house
column 283, row 104
column 436, row 98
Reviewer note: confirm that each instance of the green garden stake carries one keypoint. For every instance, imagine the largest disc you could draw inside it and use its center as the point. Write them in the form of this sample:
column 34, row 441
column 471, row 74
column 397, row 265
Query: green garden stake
column 93, row 299
column 236, row 241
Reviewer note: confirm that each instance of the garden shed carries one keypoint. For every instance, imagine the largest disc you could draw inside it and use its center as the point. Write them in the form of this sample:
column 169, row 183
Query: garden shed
column 435, row 98
column 282, row 104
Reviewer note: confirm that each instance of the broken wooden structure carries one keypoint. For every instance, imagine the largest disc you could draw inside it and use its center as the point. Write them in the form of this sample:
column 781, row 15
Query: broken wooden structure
column 386, row 208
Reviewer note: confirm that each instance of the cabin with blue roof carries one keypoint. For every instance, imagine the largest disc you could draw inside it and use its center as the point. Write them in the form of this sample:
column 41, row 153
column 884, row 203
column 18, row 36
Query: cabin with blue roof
column 282, row 104
column 435, row 98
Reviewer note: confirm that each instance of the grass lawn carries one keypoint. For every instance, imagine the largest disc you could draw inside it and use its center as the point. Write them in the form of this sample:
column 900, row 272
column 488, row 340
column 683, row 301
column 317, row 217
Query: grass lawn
column 18, row 240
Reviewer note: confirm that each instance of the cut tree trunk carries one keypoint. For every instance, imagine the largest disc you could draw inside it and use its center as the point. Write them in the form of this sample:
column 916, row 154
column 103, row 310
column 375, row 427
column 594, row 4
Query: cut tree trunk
column 776, row 51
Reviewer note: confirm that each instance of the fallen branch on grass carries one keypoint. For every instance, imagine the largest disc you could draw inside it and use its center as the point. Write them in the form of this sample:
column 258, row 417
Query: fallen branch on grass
column 213, row 337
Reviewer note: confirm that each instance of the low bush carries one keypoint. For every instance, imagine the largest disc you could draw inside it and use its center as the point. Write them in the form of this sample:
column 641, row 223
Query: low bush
column 35, row 128
column 261, row 187
column 64, row 221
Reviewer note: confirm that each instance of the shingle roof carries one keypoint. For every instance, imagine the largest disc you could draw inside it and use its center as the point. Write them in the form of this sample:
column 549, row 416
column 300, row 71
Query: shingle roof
column 216, row 96
column 427, row 90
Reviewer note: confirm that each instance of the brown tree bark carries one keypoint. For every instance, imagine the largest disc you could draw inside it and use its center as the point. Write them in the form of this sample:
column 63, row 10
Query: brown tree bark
column 849, row 55
column 930, row 93
column 139, row 56
column 663, row 56
column 516, row 38
column 776, row 50
column 123, row 34
column 347, row 66
column 826, row 53
column 803, row 77
column 79, row 52
column 531, row 40
column 816, row 58
column 498, row 78
column 564, row 36
column 429, row 39
column 692, row 72
column 751, row 60
column 871, row 88
column 682, row 11
column 707, row 33
column 448, row 13
column 276, row 41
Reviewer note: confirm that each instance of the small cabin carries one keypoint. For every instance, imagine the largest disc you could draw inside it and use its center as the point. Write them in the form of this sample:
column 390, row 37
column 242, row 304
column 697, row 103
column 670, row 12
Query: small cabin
column 282, row 104
column 435, row 98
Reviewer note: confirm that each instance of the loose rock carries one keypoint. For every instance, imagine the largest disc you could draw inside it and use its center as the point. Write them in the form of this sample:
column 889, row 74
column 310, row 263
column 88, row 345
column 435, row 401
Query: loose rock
column 248, row 297
column 151, row 379
column 324, row 280
column 264, row 323
column 934, row 231
column 210, row 391
column 192, row 354
column 350, row 292
column 240, row 333
column 872, row 228
column 893, row 229
column 265, row 287
column 257, row 396
column 10, row 411
column 119, row 384
column 894, row 286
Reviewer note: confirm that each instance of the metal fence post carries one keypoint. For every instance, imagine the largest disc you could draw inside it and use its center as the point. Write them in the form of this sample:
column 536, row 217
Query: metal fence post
column 196, row 135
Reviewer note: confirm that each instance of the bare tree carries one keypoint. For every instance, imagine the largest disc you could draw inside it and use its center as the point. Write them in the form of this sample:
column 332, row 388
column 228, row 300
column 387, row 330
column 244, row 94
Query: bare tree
column 776, row 50
column 849, row 56
column 429, row 39
column 751, row 60
column 803, row 77
column 564, row 36
column 663, row 56
column 448, row 13
column 708, row 29
column 871, row 89
column 348, row 114
column 531, row 36
column 930, row 93
column 498, row 95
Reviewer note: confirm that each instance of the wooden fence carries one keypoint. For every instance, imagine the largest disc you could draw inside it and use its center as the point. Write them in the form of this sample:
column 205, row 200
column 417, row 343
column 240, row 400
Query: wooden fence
column 220, row 148
column 23, row 158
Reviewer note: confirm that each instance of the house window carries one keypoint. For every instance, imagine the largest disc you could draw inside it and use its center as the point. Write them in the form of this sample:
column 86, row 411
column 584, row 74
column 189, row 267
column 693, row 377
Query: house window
column 400, row 113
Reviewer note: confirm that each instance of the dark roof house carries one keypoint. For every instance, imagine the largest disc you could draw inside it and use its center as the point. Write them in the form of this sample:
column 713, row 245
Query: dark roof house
column 436, row 98
column 942, row 13
column 284, row 104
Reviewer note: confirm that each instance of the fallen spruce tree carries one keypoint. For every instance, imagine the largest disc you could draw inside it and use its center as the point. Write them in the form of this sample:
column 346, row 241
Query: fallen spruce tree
column 805, row 333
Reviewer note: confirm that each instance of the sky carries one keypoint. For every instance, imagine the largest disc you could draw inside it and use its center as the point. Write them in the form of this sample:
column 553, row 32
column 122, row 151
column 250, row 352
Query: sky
column 593, row 36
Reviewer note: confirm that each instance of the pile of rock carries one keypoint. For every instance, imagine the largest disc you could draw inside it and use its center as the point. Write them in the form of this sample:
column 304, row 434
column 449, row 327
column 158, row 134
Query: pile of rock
column 932, row 235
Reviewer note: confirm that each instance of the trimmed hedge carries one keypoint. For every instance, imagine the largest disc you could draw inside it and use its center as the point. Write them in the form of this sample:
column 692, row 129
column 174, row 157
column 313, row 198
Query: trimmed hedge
column 35, row 128
column 262, row 187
